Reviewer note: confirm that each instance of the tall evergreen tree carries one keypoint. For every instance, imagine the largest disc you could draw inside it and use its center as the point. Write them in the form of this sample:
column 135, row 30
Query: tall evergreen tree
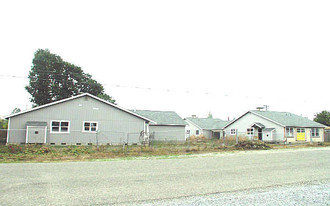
column 52, row 79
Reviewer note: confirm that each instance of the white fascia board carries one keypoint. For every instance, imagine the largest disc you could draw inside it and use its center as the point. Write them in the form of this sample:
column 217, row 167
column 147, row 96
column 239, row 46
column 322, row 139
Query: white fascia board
column 75, row 97
column 235, row 120
column 256, row 115
column 259, row 115
column 193, row 124
column 118, row 107
column 45, row 105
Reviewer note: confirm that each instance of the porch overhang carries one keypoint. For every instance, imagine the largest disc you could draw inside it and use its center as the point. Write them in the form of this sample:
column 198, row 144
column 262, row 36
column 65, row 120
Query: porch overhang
column 258, row 125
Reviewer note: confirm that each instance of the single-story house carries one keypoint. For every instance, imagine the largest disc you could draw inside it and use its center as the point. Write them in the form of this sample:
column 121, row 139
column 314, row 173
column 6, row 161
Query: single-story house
column 209, row 127
column 166, row 125
column 82, row 119
column 271, row 126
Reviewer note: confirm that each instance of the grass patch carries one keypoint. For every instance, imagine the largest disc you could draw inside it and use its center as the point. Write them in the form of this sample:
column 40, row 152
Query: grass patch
column 49, row 153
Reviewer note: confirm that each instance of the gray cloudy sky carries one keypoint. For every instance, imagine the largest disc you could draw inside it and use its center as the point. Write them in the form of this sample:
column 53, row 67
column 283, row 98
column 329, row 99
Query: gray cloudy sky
column 223, row 57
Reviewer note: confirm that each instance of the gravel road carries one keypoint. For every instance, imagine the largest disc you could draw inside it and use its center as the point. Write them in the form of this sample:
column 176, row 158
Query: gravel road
column 136, row 181
column 308, row 193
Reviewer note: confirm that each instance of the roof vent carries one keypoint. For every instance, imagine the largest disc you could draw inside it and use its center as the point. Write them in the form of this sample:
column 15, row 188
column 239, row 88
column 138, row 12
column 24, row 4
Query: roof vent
column 193, row 116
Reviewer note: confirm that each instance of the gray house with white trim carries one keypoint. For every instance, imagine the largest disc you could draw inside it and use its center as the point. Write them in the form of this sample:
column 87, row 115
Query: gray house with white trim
column 271, row 126
column 166, row 125
column 209, row 127
column 82, row 119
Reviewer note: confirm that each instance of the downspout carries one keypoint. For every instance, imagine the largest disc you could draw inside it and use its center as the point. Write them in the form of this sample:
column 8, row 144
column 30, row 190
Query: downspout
column 8, row 129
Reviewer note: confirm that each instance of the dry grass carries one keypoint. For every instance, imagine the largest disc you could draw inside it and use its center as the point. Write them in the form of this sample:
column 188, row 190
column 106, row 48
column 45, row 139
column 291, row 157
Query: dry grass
column 44, row 153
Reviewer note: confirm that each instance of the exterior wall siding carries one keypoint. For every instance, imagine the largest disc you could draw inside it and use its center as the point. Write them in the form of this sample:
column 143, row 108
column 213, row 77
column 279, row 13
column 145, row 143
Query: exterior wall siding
column 207, row 133
column 192, row 129
column 168, row 133
column 242, row 124
column 114, row 125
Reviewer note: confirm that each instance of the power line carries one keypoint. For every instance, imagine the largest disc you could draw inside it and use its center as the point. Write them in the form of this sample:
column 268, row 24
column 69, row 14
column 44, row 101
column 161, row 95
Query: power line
column 123, row 86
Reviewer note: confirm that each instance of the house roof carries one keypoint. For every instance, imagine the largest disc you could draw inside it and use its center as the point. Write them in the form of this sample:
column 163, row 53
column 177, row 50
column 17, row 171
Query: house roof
column 284, row 119
column 162, row 117
column 208, row 123
column 75, row 97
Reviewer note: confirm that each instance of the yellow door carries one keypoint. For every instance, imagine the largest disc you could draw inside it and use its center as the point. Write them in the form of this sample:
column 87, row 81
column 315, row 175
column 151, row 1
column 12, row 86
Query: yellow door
column 301, row 135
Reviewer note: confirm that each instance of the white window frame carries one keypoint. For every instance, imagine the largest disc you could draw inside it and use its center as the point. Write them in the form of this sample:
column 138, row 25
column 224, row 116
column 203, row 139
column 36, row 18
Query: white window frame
column 301, row 130
column 90, row 127
column 315, row 132
column 60, row 128
column 250, row 133
column 231, row 132
column 289, row 131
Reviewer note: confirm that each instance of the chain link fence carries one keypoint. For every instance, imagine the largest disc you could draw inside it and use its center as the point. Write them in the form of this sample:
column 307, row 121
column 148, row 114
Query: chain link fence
column 154, row 138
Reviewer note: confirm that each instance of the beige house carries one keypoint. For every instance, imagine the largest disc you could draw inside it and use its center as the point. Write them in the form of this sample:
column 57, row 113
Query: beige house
column 271, row 126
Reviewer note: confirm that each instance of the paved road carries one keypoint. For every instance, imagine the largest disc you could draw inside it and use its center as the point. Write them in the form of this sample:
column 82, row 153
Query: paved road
column 108, row 182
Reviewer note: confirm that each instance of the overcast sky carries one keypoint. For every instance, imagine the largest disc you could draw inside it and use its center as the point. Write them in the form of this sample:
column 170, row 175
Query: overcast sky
column 196, row 57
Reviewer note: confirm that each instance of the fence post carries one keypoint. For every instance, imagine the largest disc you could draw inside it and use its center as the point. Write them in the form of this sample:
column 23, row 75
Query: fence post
column 223, row 140
column 97, row 140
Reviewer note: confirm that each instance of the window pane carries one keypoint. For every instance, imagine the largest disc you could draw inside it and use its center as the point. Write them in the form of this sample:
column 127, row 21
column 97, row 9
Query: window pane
column 55, row 129
column 64, row 129
column 55, row 123
column 65, row 124
column 87, row 124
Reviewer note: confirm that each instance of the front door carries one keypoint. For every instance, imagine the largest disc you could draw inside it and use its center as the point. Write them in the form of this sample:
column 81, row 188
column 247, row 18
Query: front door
column 301, row 136
column 36, row 134
column 260, row 134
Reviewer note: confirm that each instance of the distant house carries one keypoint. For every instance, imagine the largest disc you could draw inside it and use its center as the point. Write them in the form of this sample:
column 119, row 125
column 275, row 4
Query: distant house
column 271, row 126
column 82, row 119
column 209, row 127
column 166, row 125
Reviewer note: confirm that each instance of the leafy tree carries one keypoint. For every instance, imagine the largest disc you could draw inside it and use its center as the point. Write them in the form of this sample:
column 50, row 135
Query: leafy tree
column 323, row 117
column 52, row 79
column 3, row 124
column 16, row 110
column 210, row 115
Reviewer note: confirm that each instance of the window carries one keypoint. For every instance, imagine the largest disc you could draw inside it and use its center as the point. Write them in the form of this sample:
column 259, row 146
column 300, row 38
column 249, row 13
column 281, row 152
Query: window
column 90, row 126
column 300, row 130
column 315, row 132
column 188, row 131
column 249, row 131
column 232, row 131
column 60, row 126
column 197, row 132
column 289, row 132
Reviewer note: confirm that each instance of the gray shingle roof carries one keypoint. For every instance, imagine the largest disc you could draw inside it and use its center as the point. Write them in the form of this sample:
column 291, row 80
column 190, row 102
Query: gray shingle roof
column 288, row 119
column 208, row 123
column 162, row 117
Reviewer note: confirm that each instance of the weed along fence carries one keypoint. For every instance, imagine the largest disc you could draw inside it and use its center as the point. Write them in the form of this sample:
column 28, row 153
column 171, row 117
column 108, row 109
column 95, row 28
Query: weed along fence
column 3, row 136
